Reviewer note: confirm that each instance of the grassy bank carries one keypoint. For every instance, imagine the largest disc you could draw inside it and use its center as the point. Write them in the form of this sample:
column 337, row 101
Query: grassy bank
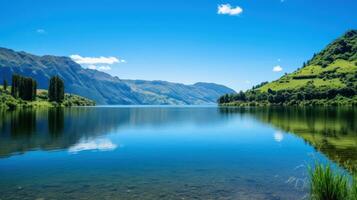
column 9, row 102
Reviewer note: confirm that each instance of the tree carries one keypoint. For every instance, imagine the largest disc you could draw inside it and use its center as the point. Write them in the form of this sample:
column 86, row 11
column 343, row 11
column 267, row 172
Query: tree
column 56, row 89
column 34, row 90
column 242, row 96
column 14, row 85
column 27, row 89
column 23, row 87
column 270, row 91
column 303, row 65
column 5, row 84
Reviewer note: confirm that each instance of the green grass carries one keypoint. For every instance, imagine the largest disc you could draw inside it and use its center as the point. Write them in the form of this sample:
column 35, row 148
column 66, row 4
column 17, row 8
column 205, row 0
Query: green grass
column 309, row 70
column 354, row 190
column 330, row 83
column 291, row 81
column 339, row 66
column 327, row 185
column 288, row 84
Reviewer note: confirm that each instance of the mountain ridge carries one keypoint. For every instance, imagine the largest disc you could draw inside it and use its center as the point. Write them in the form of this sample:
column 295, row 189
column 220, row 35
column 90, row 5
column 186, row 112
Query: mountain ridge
column 100, row 86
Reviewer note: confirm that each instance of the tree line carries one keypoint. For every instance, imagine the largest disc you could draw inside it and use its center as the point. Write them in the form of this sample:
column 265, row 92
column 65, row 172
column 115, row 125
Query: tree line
column 306, row 93
column 25, row 88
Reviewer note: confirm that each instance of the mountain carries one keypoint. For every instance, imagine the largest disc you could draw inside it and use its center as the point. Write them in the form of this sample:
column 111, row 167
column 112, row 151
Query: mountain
column 174, row 93
column 330, row 77
column 102, row 87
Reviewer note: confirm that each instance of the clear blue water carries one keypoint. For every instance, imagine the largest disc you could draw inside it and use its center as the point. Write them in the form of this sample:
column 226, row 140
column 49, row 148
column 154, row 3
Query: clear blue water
column 151, row 153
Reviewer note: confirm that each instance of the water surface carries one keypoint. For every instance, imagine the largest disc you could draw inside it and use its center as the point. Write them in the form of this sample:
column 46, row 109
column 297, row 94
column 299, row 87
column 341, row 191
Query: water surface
column 170, row 152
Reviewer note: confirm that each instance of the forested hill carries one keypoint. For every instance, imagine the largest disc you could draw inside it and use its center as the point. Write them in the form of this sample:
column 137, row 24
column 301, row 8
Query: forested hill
column 329, row 78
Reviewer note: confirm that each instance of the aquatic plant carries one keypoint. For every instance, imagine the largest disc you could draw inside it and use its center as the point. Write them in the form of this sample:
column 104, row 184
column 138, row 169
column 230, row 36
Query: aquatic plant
column 327, row 185
column 353, row 190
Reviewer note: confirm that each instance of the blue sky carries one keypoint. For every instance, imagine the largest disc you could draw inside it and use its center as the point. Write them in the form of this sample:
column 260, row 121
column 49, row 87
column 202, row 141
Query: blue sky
column 183, row 41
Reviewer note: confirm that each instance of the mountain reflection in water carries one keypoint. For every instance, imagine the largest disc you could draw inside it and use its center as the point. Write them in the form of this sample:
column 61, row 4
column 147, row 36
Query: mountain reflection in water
column 332, row 131
column 61, row 128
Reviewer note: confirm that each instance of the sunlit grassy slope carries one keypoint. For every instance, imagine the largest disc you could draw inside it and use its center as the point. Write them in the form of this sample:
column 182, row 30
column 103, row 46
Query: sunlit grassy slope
column 330, row 76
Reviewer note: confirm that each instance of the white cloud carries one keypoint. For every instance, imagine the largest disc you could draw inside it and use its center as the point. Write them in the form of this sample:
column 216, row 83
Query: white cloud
column 40, row 31
column 95, row 145
column 227, row 9
column 277, row 68
column 96, row 63
column 247, row 82
column 95, row 60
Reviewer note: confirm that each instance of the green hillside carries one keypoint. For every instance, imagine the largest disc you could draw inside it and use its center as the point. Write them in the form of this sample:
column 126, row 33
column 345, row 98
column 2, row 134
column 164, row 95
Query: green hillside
column 335, row 75
column 329, row 78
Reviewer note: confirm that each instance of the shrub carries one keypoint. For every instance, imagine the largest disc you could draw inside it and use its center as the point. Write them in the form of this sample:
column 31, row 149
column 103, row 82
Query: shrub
column 11, row 105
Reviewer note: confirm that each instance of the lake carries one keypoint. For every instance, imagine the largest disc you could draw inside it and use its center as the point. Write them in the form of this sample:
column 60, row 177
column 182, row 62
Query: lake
column 168, row 152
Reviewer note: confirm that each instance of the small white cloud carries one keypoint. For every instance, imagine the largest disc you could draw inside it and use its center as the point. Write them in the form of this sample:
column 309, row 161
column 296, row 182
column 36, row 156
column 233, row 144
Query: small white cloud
column 247, row 82
column 95, row 145
column 40, row 31
column 277, row 68
column 94, row 60
column 227, row 9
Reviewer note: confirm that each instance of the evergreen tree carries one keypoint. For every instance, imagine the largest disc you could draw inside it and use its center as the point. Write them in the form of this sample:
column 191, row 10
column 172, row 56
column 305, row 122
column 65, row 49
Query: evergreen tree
column 23, row 87
column 5, row 84
column 14, row 85
column 34, row 90
column 51, row 90
column 56, row 89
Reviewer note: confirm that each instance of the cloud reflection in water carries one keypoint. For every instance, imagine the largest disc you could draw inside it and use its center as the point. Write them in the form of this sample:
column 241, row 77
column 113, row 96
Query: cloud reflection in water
column 93, row 145
column 278, row 136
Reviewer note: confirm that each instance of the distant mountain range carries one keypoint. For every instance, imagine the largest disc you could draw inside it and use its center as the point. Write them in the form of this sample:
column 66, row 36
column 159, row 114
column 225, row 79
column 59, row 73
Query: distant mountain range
column 102, row 87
